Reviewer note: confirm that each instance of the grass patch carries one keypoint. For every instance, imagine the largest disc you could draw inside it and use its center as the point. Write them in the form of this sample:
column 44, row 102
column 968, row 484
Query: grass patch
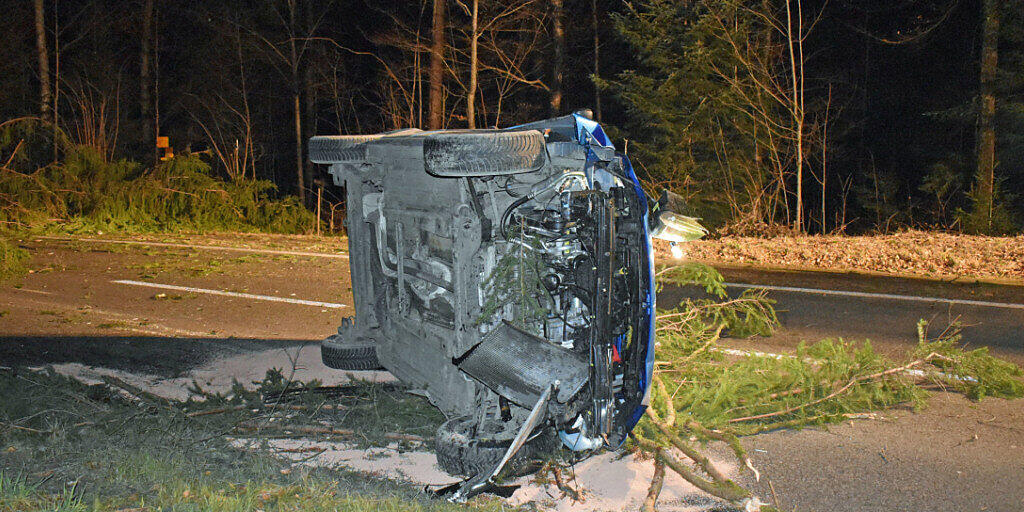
column 68, row 446
column 366, row 414
column 113, row 325
column 13, row 260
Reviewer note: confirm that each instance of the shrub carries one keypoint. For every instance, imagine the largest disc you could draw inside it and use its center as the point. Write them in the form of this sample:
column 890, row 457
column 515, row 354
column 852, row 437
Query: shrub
column 87, row 193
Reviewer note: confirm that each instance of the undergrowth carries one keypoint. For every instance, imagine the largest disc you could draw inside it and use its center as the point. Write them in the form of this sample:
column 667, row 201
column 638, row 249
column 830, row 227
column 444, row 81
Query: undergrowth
column 376, row 414
column 67, row 446
column 87, row 192
column 700, row 393
column 12, row 260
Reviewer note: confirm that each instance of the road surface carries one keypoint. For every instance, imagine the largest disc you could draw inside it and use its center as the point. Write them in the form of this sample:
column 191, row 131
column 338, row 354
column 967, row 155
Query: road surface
column 814, row 313
column 165, row 309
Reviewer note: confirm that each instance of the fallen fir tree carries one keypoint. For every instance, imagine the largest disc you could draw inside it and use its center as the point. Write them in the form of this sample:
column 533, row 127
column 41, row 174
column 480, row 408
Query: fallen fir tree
column 702, row 394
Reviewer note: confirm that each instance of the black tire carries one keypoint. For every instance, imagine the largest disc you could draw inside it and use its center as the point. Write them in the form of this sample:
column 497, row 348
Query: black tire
column 460, row 453
column 339, row 148
column 483, row 153
column 349, row 355
column 335, row 149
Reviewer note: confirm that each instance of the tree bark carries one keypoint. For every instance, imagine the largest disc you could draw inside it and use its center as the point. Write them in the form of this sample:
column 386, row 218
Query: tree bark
column 308, row 96
column 657, row 482
column 436, row 74
column 559, row 57
column 45, row 98
column 146, row 80
column 795, row 44
column 300, row 171
column 985, row 187
column 473, row 67
column 597, row 59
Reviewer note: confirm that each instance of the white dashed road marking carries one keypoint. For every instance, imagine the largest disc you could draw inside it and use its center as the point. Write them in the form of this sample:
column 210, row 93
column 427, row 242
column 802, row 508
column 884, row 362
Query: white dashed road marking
column 867, row 295
column 222, row 293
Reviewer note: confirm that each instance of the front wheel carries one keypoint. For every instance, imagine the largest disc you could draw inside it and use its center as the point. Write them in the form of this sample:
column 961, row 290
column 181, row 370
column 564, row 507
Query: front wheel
column 460, row 452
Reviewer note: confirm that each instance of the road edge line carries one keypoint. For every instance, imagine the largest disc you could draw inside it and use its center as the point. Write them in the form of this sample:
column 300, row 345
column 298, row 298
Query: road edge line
column 872, row 295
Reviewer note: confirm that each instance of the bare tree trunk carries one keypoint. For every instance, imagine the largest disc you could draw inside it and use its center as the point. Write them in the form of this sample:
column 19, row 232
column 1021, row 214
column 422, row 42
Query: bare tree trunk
column 824, row 160
column 45, row 105
column 309, row 95
column 56, row 82
column 249, row 158
column 145, row 79
column 436, row 74
column 300, row 168
column 559, row 64
column 300, row 176
column 156, row 82
column 796, row 65
column 473, row 66
column 597, row 59
column 985, row 186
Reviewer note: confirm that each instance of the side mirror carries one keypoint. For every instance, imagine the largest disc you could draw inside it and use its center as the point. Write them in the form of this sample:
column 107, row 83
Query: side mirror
column 671, row 226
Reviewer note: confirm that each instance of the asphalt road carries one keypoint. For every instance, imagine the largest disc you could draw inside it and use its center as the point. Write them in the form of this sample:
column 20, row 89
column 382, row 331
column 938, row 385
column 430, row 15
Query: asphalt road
column 889, row 323
column 955, row 455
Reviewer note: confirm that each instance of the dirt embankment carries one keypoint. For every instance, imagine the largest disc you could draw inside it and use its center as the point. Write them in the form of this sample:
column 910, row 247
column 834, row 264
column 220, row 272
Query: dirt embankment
column 911, row 253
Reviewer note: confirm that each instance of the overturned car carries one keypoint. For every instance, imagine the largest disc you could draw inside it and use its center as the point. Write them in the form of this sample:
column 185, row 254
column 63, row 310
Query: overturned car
column 509, row 275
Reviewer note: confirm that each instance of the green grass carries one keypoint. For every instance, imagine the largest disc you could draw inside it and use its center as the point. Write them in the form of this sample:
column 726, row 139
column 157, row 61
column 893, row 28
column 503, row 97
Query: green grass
column 71, row 447
column 370, row 409
column 13, row 260
column 112, row 325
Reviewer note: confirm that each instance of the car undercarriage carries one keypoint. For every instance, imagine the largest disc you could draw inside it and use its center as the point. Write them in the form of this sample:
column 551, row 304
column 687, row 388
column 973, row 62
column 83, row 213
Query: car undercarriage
column 508, row 274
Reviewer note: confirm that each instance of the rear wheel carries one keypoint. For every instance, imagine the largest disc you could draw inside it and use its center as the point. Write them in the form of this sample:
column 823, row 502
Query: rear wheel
column 343, row 354
column 339, row 148
column 336, row 149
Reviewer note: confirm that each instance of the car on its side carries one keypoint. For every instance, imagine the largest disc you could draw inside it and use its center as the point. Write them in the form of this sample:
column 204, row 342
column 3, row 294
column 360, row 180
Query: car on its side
column 509, row 274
